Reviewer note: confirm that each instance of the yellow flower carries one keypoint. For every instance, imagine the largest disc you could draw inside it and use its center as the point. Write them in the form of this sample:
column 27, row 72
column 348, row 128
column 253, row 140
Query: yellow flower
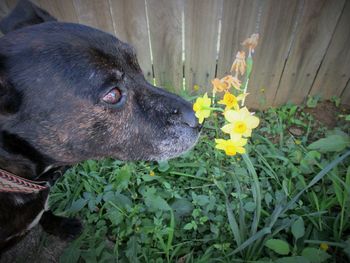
column 224, row 84
column 201, row 107
column 239, row 64
column 231, row 101
column 195, row 87
column 151, row 173
column 231, row 147
column 324, row 246
column 297, row 142
column 251, row 42
column 241, row 123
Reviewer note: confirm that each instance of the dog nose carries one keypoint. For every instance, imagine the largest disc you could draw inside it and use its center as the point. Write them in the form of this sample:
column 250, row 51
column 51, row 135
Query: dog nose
column 188, row 117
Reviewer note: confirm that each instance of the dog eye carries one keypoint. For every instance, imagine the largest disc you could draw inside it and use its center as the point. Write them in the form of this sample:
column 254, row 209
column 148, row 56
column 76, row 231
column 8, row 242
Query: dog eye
column 113, row 96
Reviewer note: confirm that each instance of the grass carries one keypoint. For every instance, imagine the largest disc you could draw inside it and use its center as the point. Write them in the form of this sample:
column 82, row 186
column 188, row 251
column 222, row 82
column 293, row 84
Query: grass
column 281, row 202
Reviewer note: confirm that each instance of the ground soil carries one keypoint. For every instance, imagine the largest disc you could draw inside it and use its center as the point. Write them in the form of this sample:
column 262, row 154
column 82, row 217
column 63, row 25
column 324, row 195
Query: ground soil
column 328, row 114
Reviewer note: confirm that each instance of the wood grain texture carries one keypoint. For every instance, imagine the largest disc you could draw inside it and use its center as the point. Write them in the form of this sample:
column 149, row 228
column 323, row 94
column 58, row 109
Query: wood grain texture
column 239, row 19
column 304, row 45
column 335, row 68
column 165, row 32
column 278, row 19
column 316, row 28
column 95, row 13
column 63, row 10
column 345, row 96
column 201, row 34
column 130, row 24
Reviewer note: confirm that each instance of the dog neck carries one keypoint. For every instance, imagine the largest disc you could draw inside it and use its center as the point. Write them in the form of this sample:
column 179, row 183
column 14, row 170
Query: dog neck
column 20, row 158
column 17, row 165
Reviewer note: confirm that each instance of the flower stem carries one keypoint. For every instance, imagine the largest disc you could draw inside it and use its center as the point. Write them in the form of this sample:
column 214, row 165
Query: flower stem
column 216, row 109
column 245, row 91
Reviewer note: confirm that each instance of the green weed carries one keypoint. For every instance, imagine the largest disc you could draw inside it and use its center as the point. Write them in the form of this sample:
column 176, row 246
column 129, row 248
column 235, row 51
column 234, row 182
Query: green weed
column 286, row 200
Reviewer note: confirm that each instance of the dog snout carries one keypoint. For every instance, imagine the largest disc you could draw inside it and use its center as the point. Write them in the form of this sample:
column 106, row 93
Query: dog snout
column 175, row 105
column 188, row 116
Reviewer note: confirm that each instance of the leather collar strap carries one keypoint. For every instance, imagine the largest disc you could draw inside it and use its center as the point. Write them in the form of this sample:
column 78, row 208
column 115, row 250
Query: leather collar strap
column 10, row 183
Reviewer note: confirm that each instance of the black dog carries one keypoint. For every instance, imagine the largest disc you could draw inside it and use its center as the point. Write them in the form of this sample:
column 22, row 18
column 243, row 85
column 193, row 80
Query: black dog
column 69, row 93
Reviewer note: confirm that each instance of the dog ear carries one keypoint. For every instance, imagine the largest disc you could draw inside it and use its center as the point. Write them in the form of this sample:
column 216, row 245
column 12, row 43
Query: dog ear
column 24, row 14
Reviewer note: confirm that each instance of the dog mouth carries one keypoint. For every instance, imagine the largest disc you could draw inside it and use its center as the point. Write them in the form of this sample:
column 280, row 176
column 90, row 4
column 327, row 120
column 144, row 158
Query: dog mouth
column 179, row 141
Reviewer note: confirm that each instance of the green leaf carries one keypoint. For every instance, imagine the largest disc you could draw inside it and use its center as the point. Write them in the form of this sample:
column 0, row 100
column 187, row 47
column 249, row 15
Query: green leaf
column 108, row 196
column 77, row 205
column 250, row 206
column 115, row 216
column 233, row 223
column 315, row 255
column 163, row 166
column 118, row 199
column 268, row 199
column 296, row 259
column 132, row 249
column 70, row 255
column 155, row 202
column 309, row 161
column 279, row 246
column 202, row 200
column 182, row 207
column 123, row 177
column 312, row 101
column 332, row 143
column 188, row 226
column 347, row 247
column 123, row 200
column 298, row 228
column 171, row 230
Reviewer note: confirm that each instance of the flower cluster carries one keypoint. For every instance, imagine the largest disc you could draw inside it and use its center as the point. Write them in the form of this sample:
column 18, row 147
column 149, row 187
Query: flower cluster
column 239, row 121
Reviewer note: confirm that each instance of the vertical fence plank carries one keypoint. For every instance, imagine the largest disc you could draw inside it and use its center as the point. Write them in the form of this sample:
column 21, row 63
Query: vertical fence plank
column 201, row 34
column 317, row 62
column 335, row 69
column 345, row 96
column 63, row 10
column 95, row 13
column 278, row 20
column 129, row 17
column 312, row 39
column 166, row 33
column 239, row 19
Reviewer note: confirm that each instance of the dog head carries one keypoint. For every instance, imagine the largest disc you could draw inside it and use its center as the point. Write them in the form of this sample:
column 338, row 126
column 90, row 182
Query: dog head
column 71, row 93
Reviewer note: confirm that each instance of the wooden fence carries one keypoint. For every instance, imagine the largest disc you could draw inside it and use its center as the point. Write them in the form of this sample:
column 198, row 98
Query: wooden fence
column 304, row 45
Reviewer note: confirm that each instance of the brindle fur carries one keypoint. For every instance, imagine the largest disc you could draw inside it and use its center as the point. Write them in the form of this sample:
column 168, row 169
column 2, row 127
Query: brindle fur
column 52, row 78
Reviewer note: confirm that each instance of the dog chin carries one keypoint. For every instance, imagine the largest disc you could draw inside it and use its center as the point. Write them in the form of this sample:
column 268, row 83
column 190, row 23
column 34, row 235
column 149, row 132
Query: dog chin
column 175, row 146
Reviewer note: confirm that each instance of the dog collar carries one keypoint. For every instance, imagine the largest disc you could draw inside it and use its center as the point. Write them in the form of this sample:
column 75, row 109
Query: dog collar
column 10, row 183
